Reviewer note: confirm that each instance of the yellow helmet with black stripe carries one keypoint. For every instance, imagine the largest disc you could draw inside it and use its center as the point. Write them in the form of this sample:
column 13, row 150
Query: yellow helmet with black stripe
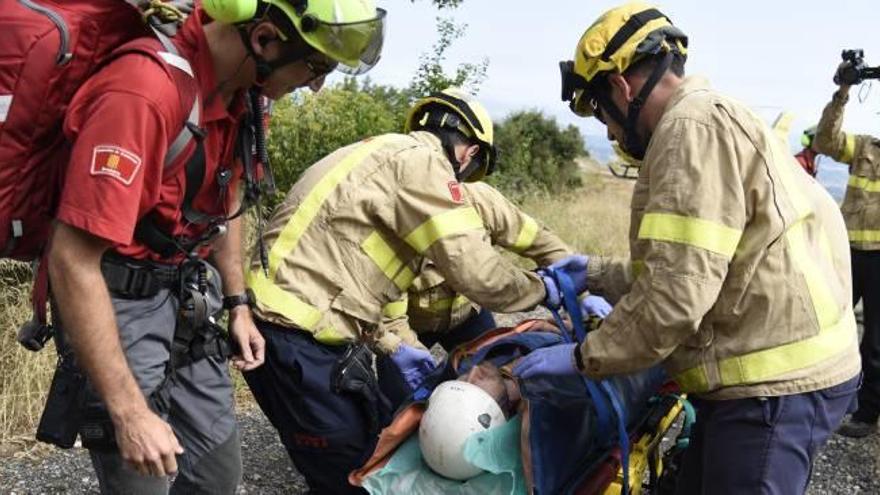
column 457, row 110
column 614, row 42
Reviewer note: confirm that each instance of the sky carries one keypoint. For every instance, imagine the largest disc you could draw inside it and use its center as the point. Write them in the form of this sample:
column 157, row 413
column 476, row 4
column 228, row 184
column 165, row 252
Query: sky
column 773, row 55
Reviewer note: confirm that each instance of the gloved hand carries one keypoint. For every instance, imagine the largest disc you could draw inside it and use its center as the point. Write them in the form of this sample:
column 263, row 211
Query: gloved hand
column 557, row 360
column 595, row 306
column 414, row 364
column 575, row 266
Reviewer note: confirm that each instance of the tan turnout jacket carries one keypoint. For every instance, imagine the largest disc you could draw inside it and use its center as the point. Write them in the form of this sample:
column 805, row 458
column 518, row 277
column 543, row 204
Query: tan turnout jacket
column 861, row 205
column 353, row 232
column 432, row 305
column 739, row 280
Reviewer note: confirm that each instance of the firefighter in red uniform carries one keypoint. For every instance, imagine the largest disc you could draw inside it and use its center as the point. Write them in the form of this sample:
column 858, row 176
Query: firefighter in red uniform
column 135, row 296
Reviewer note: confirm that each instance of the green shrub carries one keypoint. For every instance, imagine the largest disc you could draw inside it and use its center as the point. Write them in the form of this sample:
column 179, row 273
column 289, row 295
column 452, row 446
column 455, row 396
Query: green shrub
column 535, row 154
column 307, row 127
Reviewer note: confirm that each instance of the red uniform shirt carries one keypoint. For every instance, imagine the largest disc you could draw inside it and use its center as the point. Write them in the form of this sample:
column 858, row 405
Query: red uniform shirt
column 120, row 124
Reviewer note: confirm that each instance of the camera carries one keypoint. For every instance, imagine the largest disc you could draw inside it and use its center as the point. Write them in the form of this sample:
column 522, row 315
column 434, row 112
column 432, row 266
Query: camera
column 855, row 71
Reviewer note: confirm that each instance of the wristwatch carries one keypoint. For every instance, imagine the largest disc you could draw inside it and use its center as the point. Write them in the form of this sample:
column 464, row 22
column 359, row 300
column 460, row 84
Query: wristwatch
column 247, row 297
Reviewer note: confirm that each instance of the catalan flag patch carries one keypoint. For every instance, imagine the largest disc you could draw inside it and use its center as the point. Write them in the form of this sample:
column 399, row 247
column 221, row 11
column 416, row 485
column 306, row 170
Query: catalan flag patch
column 115, row 161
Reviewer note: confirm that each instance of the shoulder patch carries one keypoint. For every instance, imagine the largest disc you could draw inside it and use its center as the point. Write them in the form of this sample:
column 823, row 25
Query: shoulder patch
column 115, row 161
column 455, row 191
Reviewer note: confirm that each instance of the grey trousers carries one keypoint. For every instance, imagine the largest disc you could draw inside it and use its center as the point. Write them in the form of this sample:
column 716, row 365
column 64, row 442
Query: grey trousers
column 202, row 411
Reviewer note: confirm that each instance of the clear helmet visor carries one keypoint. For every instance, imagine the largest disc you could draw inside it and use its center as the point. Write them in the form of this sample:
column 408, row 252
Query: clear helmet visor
column 356, row 45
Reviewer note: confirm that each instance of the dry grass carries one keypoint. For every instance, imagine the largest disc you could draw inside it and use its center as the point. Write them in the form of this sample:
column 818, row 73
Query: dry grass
column 593, row 220
column 24, row 375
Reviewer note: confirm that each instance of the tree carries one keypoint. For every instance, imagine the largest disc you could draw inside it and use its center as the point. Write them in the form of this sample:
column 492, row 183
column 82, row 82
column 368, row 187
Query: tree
column 307, row 127
column 444, row 4
column 534, row 153
column 430, row 76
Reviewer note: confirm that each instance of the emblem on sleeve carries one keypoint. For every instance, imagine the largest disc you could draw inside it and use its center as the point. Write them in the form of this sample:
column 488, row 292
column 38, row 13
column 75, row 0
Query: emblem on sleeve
column 455, row 190
column 117, row 162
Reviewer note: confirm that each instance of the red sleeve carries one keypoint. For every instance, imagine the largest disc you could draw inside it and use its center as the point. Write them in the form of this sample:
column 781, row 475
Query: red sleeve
column 119, row 125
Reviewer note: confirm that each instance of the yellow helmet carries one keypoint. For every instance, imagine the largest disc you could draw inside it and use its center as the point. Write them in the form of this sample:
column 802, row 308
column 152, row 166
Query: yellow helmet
column 618, row 38
column 350, row 32
column 454, row 109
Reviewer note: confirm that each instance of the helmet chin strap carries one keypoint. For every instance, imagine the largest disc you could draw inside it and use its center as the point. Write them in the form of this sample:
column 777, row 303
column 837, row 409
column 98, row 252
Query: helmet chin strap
column 633, row 143
column 449, row 148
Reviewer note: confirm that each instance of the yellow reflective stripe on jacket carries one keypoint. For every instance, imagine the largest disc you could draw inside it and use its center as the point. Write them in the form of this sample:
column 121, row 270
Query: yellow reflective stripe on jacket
column 849, row 149
column 300, row 220
column 766, row 364
column 864, row 235
column 527, row 234
column 442, row 225
column 695, row 232
column 826, row 308
column 447, row 303
column 378, row 250
column 864, row 183
column 299, row 312
column 763, row 365
column 395, row 309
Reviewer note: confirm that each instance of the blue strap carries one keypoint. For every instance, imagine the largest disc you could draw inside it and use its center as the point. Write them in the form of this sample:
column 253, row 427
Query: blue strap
column 571, row 303
column 603, row 415
column 622, row 436
column 572, row 306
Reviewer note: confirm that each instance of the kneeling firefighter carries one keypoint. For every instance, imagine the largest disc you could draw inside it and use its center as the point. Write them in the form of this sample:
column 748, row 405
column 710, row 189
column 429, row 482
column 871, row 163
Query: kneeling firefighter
column 739, row 277
column 434, row 310
column 350, row 238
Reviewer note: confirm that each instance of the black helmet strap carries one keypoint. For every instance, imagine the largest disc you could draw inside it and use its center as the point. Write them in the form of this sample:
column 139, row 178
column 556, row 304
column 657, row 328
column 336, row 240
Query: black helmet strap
column 633, row 143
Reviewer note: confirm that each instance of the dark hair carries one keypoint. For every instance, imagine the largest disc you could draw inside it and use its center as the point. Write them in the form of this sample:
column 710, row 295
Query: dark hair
column 645, row 66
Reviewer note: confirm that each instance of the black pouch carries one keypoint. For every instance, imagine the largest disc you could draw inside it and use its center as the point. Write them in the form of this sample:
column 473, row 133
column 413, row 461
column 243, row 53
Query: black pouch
column 353, row 374
column 96, row 428
column 62, row 413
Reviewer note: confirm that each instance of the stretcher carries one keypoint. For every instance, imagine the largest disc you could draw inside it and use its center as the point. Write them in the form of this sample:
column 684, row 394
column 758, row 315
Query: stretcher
column 562, row 444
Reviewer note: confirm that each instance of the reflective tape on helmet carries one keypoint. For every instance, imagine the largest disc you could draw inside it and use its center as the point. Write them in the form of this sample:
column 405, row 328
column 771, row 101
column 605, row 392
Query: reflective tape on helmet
column 443, row 225
column 849, row 149
column 864, row 183
column 696, row 232
column 305, row 213
column 381, row 253
column 526, row 235
column 864, row 235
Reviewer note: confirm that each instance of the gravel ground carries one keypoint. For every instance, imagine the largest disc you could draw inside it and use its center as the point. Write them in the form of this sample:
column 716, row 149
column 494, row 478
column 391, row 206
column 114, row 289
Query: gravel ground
column 845, row 466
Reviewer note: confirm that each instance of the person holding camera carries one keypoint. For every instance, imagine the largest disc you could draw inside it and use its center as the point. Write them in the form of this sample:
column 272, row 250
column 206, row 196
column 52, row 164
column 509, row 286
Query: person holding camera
column 861, row 211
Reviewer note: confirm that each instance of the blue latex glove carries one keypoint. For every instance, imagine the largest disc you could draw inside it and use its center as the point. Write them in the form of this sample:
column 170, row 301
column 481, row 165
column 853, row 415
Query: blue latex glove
column 595, row 306
column 575, row 266
column 557, row 360
column 414, row 364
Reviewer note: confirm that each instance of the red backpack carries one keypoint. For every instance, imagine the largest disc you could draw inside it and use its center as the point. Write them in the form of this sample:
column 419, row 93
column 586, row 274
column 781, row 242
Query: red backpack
column 48, row 48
